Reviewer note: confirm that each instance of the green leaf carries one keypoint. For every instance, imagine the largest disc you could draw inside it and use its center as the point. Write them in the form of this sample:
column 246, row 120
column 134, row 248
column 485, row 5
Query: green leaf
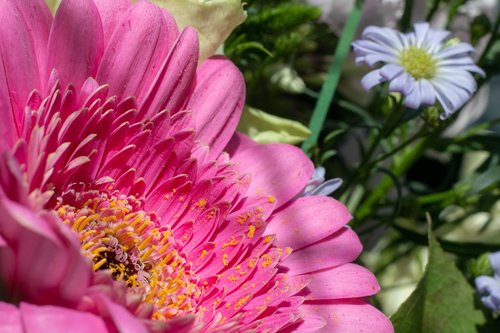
column 485, row 180
column 442, row 302
column 266, row 128
column 330, row 86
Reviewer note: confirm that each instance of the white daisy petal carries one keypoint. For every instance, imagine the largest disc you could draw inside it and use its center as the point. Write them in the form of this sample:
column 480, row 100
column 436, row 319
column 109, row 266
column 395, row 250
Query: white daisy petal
column 368, row 46
column 435, row 39
column 456, row 61
column 390, row 71
column 455, row 96
column 372, row 59
column 462, row 48
column 427, row 93
column 460, row 78
column 421, row 30
column 402, row 84
column 371, row 79
column 385, row 36
column 413, row 100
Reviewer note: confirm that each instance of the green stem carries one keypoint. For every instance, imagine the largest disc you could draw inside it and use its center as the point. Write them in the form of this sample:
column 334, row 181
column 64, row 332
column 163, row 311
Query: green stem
column 387, row 128
column 491, row 41
column 417, row 135
column 330, row 86
column 406, row 19
column 436, row 197
column 432, row 11
column 385, row 184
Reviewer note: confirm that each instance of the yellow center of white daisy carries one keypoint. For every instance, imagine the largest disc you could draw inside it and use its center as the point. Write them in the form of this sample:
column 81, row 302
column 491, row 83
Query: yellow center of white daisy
column 419, row 63
column 125, row 241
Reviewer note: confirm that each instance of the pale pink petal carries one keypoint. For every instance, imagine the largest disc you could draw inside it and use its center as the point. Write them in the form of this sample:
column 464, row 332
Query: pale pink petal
column 345, row 281
column 217, row 102
column 349, row 316
column 135, row 52
column 53, row 319
column 10, row 319
column 45, row 261
column 111, row 13
column 174, row 80
column 278, row 170
column 76, row 42
column 307, row 220
column 124, row 321
column 342, row 247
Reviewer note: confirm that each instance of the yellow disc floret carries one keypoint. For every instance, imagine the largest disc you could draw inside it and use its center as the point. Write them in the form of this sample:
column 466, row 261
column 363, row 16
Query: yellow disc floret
column 418, row 62
column 126, row 242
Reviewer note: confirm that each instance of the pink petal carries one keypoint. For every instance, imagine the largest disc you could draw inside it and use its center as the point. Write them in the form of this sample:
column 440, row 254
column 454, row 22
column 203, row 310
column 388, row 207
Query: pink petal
column 19, row 73
column 342, row 247
column 53, row 319
column 47, row 266
column 8, row 130
column 307, row 220
column 349, row 316
column 346, row 281
column 239, row 142
column 111, row 13
column 10, row 319
column 217, row 102
column 76, row 42
column 38, row 19
column 278, row 170
column 124, row 321
column 174, row 80
column 310, row 323
column 136, row 50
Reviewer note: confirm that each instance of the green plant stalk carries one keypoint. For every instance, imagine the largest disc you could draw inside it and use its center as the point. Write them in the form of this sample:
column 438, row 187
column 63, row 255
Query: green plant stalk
column 406, row 19
column 330, row 86
column 491, row 41
column 420, row 134
column 387, row 129
column 407, row 158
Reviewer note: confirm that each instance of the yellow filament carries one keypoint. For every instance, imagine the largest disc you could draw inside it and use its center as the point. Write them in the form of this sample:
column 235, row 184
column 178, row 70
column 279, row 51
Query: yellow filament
column 98, row 264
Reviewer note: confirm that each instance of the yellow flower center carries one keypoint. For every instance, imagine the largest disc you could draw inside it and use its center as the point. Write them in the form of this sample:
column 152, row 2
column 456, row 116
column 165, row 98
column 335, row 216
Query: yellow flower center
column 119, row 238
column 418, row 63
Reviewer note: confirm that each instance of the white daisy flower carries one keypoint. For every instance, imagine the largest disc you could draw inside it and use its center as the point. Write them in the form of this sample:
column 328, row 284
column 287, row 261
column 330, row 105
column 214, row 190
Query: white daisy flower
column 422, row 65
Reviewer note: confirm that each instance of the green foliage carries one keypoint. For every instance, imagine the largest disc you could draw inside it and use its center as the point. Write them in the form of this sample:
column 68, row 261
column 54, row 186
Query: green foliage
column 275, row 31
column 443, row 301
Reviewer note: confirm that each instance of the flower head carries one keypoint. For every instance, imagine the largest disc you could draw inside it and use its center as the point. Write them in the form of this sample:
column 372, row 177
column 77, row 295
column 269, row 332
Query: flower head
column 120, row 210
column 422, row 65
column 488, row 287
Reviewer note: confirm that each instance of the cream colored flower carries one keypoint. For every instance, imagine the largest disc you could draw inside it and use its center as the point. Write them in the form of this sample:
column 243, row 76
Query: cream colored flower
column 213, row 19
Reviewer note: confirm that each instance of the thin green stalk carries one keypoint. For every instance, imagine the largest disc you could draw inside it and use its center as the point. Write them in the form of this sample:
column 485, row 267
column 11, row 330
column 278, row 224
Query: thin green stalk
column 491, row 41
column 385, row 184
column 432, row 11
column 415, row 137
column 406, row 19
column 387, row 128
column 331, row 83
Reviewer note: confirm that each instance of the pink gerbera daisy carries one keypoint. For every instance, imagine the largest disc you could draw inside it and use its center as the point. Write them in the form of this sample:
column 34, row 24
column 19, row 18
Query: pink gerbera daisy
column 120, row 210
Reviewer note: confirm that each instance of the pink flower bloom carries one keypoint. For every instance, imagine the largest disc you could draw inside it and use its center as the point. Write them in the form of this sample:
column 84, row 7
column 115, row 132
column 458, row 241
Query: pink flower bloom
column 119, row 210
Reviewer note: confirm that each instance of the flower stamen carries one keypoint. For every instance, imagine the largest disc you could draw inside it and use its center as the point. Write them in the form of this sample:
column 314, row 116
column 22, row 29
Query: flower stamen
column 418, row 63
column 124, row 240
